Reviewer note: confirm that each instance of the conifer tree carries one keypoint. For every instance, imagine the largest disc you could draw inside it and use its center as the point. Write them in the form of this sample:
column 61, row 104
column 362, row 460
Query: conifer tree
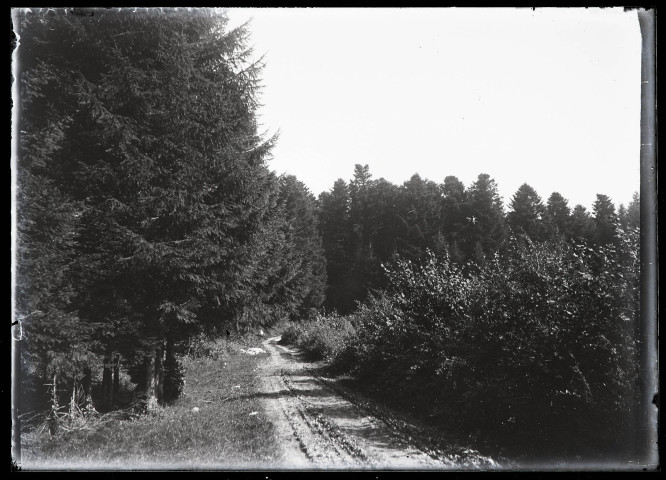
column 337, row 239
column 304, row 287
column 56, row 343
column 454, row 199
column 384, row 221
column 582, row 224
column 359, row 209
column 633, row 215
column 157, row 160
column 558, row 215
column 485, row 228
column 527, row 211
column 365, row 272
column 420, row 217
column 605, row 220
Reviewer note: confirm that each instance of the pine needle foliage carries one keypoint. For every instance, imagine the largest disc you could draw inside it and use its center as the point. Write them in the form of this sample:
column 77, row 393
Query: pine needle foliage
column 146, row 210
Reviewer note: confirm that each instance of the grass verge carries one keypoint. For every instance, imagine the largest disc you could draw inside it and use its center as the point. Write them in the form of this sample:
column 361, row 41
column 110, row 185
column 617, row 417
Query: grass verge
column 225, row 433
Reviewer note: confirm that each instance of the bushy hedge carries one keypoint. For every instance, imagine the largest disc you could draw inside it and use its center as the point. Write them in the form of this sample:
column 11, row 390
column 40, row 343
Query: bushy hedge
column 323, row 337
column 534, row 350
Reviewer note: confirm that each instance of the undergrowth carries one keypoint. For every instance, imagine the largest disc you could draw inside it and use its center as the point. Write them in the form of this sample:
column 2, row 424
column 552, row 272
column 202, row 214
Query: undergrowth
column 532, row 353
column 322, row 338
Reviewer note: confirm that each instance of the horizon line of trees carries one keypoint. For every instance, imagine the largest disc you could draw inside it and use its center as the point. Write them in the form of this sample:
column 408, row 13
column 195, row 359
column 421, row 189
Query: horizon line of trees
column 366, row 223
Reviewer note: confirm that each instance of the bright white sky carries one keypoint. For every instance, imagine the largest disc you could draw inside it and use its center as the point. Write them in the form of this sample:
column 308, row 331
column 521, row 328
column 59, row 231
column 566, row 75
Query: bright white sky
column 550, row 97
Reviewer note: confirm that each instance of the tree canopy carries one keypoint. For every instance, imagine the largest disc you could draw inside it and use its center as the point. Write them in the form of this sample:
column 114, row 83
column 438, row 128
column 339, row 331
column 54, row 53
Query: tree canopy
column 140, row 127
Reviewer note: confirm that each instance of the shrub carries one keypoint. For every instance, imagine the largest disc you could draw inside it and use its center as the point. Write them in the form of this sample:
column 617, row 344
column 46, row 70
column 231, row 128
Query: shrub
column 534, row 348
column 324, row 337
column 292, row 333
column 206, row 345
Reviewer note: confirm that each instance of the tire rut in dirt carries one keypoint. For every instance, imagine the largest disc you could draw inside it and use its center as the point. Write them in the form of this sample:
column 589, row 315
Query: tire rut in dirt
column 321, row 440
column 427, row 442
column 330, row 426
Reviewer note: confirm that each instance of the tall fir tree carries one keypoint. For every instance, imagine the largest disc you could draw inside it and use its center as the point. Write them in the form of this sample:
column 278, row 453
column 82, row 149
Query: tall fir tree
column 366, row 271
column 605, row 220
column 485, row 227
column 527, row 212
column 157, row 160
column 305, row 286
column 622, row 216
column 558, row 215
column 581, row 224
column 633, row 215
column 453, row 204
column 383, row 219
column 57, row 343
column 359, row 209
column 420, row 215
column 337, row 239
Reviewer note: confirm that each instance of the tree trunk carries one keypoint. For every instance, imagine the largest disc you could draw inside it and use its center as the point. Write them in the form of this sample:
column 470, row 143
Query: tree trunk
column 53, row 416
column 170, row 349
column 73, row 407
column 172, row 373
column 86, row 385
column 151, row 398
column 159, row 373
column 107, row 385
column 116, row 378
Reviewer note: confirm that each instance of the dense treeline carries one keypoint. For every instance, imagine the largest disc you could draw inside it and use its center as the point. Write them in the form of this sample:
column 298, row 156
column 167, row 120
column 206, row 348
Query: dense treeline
column 145, row 208
column 365, row 223
column 515, row 329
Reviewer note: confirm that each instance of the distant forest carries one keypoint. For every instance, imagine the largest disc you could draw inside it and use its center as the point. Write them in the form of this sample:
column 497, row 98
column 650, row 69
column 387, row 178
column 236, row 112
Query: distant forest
column 147, row 214
column 366, row 222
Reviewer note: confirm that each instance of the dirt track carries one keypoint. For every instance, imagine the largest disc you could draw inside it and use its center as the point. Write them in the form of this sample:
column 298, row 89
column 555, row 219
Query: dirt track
column 321, row 427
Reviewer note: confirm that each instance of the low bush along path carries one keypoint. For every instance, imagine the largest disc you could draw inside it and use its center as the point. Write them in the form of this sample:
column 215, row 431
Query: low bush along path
column 323, row 425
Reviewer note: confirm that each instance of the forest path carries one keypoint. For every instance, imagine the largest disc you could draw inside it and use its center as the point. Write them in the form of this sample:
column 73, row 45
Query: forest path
column 319, row 426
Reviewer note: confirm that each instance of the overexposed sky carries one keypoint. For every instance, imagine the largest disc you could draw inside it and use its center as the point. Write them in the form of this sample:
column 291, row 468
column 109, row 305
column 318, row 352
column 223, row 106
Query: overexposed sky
column 550, row 97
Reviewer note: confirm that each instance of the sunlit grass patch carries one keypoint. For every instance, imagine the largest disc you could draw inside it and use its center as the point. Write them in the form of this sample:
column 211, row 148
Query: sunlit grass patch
column 210, row 426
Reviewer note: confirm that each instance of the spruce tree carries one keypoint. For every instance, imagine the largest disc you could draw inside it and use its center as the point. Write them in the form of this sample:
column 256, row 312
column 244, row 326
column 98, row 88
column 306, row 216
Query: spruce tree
column 454, row 198
column 383, row 219
column 581, row 225
column 302, row 281
column 622, row 216
column 527, row 211
column 633, row 215
column 160, row 165
column 56, row 346
column 359, row 209
column 558, row 215
column 485, row 228
column 366, row 271
column 420, row 217
column 337, row 239
column 605, row 220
